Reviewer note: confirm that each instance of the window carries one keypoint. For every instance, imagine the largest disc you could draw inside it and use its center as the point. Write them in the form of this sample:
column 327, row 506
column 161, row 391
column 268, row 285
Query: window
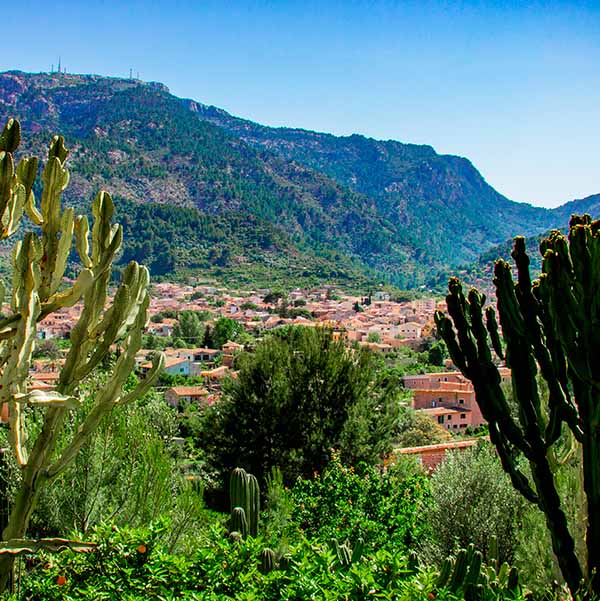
column 463, row 416
column 440, row 419
column 461, row 401
column 449, row 418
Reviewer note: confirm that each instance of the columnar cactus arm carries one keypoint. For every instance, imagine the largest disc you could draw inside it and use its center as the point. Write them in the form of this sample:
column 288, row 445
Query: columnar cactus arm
column 509, row 456
column 466, row 353
column 39, row 265
column 111, row 393
column 57, row 228
column 26, row 304
column 89, row 341
column 551, row 361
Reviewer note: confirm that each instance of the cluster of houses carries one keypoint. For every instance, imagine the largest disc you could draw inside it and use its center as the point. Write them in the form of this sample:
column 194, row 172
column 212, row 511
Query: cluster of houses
column 380, row 324
column 448, row 398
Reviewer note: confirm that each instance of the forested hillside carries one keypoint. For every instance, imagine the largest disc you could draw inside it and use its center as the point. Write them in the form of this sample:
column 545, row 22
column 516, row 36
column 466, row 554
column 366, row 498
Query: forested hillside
column 322, row 204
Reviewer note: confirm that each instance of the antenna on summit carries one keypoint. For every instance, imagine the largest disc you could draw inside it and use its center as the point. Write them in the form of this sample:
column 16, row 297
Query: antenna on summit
column 59, row 64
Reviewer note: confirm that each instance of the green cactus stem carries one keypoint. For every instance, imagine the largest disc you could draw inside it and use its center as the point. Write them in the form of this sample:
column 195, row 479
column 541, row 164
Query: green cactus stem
column 550, row 327
column 39, row 262
column 244, row 492
column 238, row 521
column 268, row 561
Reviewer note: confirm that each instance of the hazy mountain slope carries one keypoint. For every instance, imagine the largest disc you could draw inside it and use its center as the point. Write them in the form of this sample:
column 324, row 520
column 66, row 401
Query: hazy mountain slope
column 399, row 210
column 144, row 145
column 441, row 202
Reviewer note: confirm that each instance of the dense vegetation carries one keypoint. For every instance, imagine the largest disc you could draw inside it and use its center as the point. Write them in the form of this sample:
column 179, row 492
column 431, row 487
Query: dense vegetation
column 342, row 206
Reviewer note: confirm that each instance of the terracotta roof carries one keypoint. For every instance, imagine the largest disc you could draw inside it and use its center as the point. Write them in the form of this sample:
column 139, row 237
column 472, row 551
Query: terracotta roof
column 443, row 410
column 189, row 390
column 458, row 444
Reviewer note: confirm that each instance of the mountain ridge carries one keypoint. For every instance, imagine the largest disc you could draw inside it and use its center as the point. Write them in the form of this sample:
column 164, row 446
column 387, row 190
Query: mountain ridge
column 398, row 210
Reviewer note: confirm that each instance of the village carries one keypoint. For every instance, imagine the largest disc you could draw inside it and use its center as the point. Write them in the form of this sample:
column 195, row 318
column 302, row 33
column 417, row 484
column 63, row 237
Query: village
column 196, row 373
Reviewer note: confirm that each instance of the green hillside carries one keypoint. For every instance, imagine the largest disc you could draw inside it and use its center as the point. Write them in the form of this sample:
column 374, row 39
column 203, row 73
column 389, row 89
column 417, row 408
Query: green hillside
column 259, row 202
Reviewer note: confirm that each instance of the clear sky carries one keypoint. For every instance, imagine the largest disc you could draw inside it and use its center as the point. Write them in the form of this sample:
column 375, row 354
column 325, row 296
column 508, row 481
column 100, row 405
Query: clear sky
column 513, row 86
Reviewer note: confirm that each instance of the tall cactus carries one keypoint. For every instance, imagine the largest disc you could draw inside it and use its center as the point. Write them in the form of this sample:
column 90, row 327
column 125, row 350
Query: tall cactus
column 245, row 493
column 39, row 263
column 550, row 327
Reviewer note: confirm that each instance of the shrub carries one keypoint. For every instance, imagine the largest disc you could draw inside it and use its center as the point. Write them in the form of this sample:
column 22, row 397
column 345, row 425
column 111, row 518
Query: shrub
column 473, row 500
column 299, row 394
column 385, row 508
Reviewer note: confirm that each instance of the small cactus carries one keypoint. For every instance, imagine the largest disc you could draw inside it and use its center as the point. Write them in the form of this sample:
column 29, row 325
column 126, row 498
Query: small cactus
column 238, row 521
column 244, row 492
column 268, row 561
column 468, row 574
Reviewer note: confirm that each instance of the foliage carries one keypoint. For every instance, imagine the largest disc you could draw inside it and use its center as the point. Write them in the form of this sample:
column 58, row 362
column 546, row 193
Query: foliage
column 47, row 349
column 436, row 353
column 473, row 501
column 225, row 330
column 134, row 565
column 128, row 472
column 189, row 328
column 386, row 509
column 415, row 429
column 299, row 394
column 279, row 506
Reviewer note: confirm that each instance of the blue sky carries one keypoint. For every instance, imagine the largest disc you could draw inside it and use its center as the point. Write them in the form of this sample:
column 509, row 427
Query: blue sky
column 513, row 86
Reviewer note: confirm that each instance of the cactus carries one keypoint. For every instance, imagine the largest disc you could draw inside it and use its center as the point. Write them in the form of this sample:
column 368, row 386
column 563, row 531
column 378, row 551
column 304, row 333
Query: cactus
column 39, row 262
column 238, row 521
column 244, row 492
column 345, row 554
column 549, row 327
column 268, row 561
column 467, row 573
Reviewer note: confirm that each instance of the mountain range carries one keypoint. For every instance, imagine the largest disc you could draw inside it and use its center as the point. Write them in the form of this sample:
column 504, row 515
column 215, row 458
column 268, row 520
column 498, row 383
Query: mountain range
column 201, row 191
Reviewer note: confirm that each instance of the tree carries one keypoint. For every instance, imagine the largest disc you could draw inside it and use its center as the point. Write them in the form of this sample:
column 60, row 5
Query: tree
column 39, row 263
column 189, row 328
column 46, row 348
column 415, row 429
column 272, row 298
column 374, row 337
column 473, row 501
column 550, row 327
column 300, row 394
column 225, row 329
column 437, row 353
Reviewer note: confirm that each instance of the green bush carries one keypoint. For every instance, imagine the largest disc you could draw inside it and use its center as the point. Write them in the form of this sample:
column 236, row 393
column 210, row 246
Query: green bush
column 473, row 500
column 387, row 509
column 134, row 565
column 298, row 395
